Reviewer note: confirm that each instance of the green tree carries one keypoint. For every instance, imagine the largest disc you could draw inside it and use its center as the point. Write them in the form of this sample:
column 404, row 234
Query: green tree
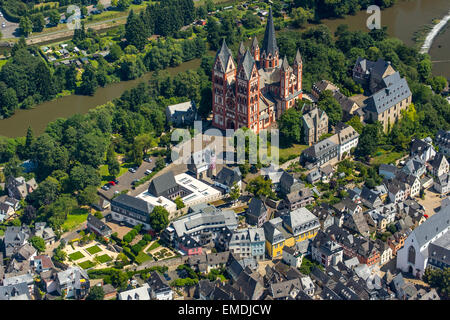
column 88, row 81
column 260, row 187
column 29, row 140
column 96, row 293
column 26, row 25
column 54, row 17
column 300, row 16
column 290, row 125
column 82, row 176
column 331, row 107
column 38, row 243
column 135, row 31
column 13, row 167
column 159, row 218
column 38, row 21
column 88, row 196
column 123, row 4
column 179, row 202
column 235, row 192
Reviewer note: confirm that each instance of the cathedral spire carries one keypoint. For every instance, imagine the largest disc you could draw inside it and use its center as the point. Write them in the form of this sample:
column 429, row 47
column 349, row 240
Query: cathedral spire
column 269, row 43
column 298, row 57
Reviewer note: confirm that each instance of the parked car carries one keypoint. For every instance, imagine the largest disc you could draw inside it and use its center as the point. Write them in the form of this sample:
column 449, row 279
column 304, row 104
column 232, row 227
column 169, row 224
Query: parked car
column 147, row 172
column 3, row 25
column 132, row 170
column 134, row 182
column 166, row 276
column 116, row 181
column 106, row 187
column 116, row 192
column 149, row 160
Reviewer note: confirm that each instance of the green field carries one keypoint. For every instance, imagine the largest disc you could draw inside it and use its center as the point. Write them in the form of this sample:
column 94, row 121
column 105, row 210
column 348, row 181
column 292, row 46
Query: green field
column 287, row 154
column 86, row 264
column 142, row 257
column 153, row 246
column 386, row 157
column 106, row 177
column 76, row 256
column 93, row 249
column 74, row 219
column 104, row 258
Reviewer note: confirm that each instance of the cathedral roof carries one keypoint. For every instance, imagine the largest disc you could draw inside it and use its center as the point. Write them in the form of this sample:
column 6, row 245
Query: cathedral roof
column 247, row 64
column 285, row 65
column 255, row 43
column 224, row 54
column 270, row 42
column 241, row 49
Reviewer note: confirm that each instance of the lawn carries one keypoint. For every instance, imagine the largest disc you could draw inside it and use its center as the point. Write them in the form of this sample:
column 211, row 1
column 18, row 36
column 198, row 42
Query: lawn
column 74, row 219
column 218, row 202
column 142, row 257
column 386, row 157
column 93, row 249
column 106, row 177
column 86, row 264
column 76, row 256
column 153, row 246
column 286, row 154
column 104, row 258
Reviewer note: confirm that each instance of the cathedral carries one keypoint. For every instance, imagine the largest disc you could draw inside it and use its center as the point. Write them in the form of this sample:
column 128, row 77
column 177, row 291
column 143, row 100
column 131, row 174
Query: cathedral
column 256, row 89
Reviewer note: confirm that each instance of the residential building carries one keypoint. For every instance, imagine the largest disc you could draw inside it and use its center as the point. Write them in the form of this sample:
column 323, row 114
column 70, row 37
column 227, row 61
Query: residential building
column 189, row 245
column 320, row 154
column 442, row 140
column 182, row 114
column 346, row 138
column 298, row 199
column 320, row 86
column 370, row 198
column 439, row 165
column 202, row 163
column 73, row 283
column 131, row 210
column 256, row 90
column 18, row 188
column 423, row 148
column 159, row 288
column 18, row 291
column 415, row 166
column 15, row 237
column 288, row 230
column 257, row 212
column 388, row 171
column 99, row 227
column 326, row 251
column 315, row 124
column 227, row 177
column 442, row 184
column 292, row 257
column 248, row 243
column 140, row 293
column 289, row 184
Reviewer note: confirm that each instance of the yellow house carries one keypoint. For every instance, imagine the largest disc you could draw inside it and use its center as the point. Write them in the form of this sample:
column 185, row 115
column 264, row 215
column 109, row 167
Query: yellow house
column 287, row 230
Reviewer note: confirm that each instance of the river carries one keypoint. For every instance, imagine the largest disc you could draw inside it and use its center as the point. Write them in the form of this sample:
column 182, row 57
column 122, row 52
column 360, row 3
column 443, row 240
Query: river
column 64, row 107
column 402, row 20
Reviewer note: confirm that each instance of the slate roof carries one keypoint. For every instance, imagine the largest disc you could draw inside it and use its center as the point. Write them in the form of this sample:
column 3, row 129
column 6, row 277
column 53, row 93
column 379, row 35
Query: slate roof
column 283, row 289
column 438, row 159
column 228, row 176
column 388, row 97
column 224, row 54
column 97, row 223
column 15, row 292
column 127, row 201
column 269, row 45
column 162, row 184
column 247, row 64
column 256, row 207
column 157, row 282
column 432, row 226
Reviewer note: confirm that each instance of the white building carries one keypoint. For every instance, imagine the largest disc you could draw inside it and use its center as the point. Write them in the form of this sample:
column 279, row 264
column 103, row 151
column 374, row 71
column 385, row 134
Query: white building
column 141, row 293
column 248, row 243
column 414, row 255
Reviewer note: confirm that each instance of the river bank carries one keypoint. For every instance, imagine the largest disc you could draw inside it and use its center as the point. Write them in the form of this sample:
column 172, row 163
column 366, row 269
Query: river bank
column 64, row 107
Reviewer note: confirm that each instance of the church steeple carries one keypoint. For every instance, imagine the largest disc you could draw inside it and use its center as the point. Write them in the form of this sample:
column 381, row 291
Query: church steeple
column 269, row 50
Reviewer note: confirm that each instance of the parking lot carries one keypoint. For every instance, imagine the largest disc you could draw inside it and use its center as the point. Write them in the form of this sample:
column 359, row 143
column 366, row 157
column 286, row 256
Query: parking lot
column 11, row 29
column 127, row 178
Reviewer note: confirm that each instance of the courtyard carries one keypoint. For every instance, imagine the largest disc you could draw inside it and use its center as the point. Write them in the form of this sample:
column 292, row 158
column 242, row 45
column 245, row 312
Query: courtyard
column 91, row 255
